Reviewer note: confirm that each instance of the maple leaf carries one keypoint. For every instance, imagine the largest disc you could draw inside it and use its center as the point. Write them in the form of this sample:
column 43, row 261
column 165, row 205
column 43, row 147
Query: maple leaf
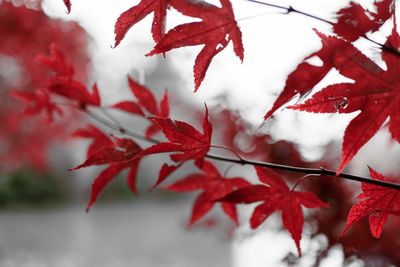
column 354, row 21
column 57, row 62
column 74, row 90
column 185, row 142
column 306, row 75
column 214, row 186
column 119, row 157
column 122, row 150
column 67, row 3
column 99, row 139
column 276, row 195
column 40, row 101
column 63, row 84
column 217, row 28
column 146, row 103
column 376, row 203
column 135, row 14
column 184, row 139
column 165, row 171
column 375, row 92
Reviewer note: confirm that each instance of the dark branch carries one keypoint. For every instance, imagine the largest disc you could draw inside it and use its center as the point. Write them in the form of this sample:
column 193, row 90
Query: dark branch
column 115, row 125
column 290, row 9
column 320, row 171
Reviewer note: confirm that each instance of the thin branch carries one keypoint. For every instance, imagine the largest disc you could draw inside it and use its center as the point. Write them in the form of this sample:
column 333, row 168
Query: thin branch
column 110, row 117
column 320, row 171
column 302, row 179
column 243, row 161
column 289, row 9
column 120, row 128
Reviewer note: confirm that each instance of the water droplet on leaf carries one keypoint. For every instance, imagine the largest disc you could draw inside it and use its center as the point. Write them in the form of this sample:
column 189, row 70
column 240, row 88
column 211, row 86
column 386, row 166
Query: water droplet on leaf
column 342, row 104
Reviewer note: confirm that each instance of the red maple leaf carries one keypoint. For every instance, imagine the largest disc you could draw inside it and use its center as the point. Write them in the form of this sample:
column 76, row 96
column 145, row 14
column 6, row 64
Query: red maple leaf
column 119, row 157
column 184, row 139
column 354, row 21
column 214, row 186
column 57, row 62
column 74, row 90
column 99, row 139
column 67, row 3
column 185, row 142
column 306, row 75
column 276, row 195
column 135, row 14
column 376, row 203
column 217, row 28
column 63, row 83
column 146, row 105
column 40, row 101
column 375, row 92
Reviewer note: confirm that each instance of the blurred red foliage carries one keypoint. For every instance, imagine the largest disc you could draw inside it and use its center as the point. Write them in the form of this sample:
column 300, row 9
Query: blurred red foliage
column 26, row 33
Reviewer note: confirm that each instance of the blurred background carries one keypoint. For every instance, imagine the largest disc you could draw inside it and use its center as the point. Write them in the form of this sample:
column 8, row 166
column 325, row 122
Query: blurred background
column 42, row 217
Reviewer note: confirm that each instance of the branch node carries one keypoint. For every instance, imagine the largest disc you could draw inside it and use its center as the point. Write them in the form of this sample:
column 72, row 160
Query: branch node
column 290, row 9
column 323, row 171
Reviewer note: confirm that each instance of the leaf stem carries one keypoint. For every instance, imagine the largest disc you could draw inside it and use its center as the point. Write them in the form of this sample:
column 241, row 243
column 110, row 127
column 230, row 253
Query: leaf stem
column 228, row 169
column 302, row 179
